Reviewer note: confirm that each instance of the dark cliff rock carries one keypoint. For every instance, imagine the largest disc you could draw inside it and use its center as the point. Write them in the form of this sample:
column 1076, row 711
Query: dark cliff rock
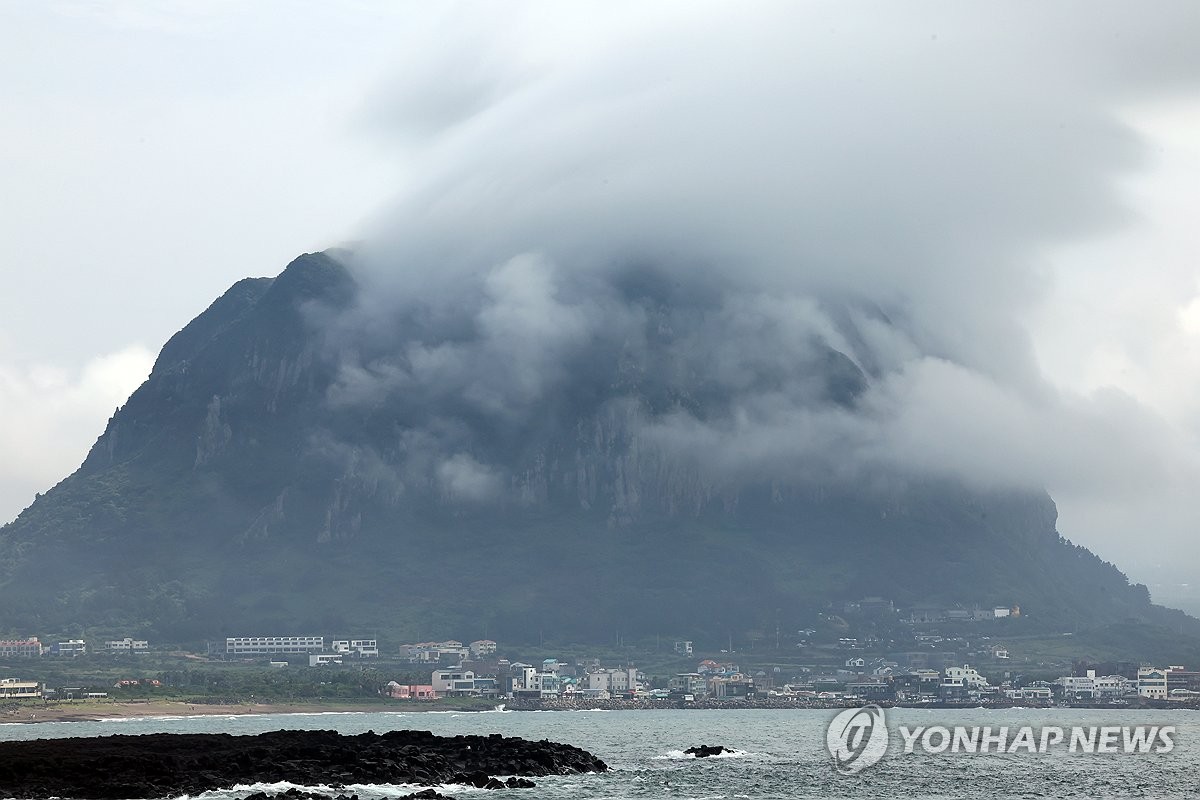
column 288, row 438
column 166, row 765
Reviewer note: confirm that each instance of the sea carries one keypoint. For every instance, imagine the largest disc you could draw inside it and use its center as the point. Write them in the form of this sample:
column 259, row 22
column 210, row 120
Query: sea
column 775, row 754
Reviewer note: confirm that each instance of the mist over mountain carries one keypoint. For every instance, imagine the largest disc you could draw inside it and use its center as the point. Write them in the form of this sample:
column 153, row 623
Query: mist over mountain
column 674, row 327
column 555, row 457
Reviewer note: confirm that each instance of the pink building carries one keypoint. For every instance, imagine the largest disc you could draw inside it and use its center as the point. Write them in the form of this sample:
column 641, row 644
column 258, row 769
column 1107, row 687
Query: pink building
column 398, row 691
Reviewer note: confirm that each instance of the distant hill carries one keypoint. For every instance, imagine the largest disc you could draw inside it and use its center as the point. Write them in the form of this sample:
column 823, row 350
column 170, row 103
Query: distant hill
column 262, row 480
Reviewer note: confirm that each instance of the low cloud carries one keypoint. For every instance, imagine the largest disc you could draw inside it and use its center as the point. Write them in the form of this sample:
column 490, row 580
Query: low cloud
column 808, row 239
column 48, row 410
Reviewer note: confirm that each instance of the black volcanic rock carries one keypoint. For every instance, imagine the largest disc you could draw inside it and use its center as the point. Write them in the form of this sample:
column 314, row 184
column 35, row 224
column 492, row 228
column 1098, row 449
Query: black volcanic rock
column 166, row 765
column 704, row 750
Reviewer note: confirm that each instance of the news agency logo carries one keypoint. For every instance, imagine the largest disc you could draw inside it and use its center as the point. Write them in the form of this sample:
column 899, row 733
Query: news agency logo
column 857, row 738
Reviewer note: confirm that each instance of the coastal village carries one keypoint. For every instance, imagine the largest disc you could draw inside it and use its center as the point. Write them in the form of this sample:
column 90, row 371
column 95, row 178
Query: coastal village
column 949, row 656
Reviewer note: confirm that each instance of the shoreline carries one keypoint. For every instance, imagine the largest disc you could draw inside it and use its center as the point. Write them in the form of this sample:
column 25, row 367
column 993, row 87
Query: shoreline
column 97, row 712
column 178, row 709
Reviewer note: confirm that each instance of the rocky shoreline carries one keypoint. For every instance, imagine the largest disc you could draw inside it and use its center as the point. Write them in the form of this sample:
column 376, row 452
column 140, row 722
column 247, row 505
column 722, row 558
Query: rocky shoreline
column 170, row 764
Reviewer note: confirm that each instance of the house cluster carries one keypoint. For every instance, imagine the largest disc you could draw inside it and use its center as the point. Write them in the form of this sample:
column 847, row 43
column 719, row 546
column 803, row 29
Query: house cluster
column 883, row 608
column 1149, row 682
column 552, row 679
column 1170, row 683
column 880, row 680
column 311, row 646
column 323, row 651
column 478, row 675
column 933, row 614
column 711, row 679
column 449, row 651
column 31, row 647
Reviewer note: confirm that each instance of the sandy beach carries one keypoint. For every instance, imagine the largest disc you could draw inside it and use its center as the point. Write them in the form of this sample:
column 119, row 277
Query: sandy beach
column 95, row 710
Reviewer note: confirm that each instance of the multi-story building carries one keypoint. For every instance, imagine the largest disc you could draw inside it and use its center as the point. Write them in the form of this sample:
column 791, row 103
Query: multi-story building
column 266, row 645
column 1036, row 692
column 692, row 683
column 549, row 684
column 453, row 682
column 20, row 648
column 482, row 647
column 1076, row 687
column 450, row 651
column 1182, row 681
column 127, row 645
column 732, row 686
column 1152, row 683
column 13, row 688
column 966, row 675
column 918, row 683
column 529, row 682
column 71, row 647
column 324, row 659
column 1111, row 687
column 1094, row 687
column 614, row 681
column 364, row 648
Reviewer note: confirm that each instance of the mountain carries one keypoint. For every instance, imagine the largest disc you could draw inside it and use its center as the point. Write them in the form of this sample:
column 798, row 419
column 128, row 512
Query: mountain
column 294, row 463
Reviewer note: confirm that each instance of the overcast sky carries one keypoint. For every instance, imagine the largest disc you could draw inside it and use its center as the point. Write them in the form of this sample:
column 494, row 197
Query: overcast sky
column 1021, row 179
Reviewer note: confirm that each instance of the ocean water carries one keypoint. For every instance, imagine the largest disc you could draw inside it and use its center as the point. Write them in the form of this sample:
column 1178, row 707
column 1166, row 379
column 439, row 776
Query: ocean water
column 780, row 753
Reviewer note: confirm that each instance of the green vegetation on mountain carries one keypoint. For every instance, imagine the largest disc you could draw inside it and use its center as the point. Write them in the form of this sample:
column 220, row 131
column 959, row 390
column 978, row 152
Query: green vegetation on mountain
column 239, row 492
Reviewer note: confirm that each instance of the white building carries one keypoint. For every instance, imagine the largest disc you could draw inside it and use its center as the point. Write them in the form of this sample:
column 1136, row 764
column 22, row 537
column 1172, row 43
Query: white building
column 1039, row 692
column 364, row 648
column 13, row 688
column 453, row 682
column 1109, row 687
column 613, row 681
column 546, row 684
column 965, row 675
column 433, row 652
column 1152, row 683
column 127, row 645
column 530, row 681
column 1078, row 687
column 265, row 645
column 71, row 647
column 323, row 659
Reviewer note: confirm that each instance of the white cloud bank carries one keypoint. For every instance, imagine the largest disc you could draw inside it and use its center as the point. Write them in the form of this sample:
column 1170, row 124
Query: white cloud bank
column 947, row 163
column 49, row 416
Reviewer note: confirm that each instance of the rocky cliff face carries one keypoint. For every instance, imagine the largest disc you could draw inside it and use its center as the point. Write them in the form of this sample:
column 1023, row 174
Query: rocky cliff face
column 281, row 468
